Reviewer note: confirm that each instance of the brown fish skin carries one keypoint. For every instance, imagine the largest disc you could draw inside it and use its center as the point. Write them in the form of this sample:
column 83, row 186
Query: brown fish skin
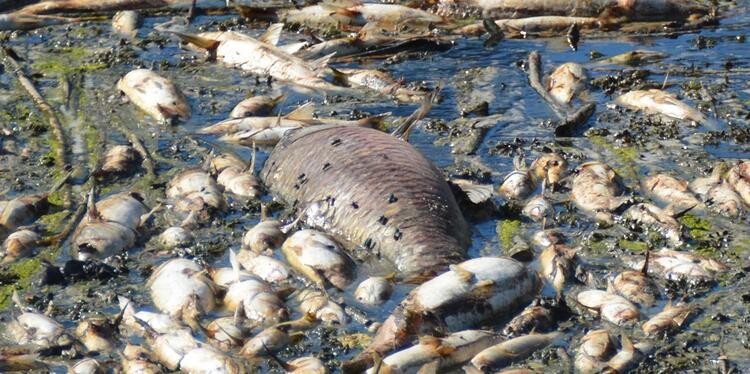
column 595, row 189
column 739, row 178
column 671, row 190
column 388, row 197
column 672, row 317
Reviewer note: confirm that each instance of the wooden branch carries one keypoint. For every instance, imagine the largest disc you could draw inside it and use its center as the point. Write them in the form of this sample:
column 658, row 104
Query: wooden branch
column 535, row 80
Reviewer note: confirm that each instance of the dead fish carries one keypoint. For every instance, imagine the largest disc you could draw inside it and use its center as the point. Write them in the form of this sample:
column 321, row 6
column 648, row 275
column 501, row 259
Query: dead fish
column 411, row 219
column 449, row 351
column 375, row 290
column 272, row 36
column 176, row 237
column 382, row 82
column 471, row 292
column 393, row 13
column 532, row 318
column 265, row 236
column 596, row 348
column 701, row 185
column 118, row 159
column 254, row 295
column 611, row 307
column 19, row 244
column 725, row 200
column 78, row 6
column 98, row 334
column 566, row 82
column 206, row 359
column 633, row 58
column 306, row 365
column 262, row 57
column 36, row 329
column 655, row 101
column 267, row 268
column 236, row 177
column 21, row 211
column 635, row 286
column 739, row 178
column 110, row 226
column 227, row 332
column 513, row 350
column 628, row 357
column 318, row 304
column 126, row 23
column 20, row 21
column 269, row 130
column 550, row 167
column 20, row 358
column 517, row 184
column 270, row 340
column 558, row 265
column 87, row 366
column 135, row 320
column 546, row 238
column 319, row 258
column 179, row 288
column 538, row 208
column 194, row 190
column 661, row 220
column 675, row 265
column 137, row 360
column 538, row 24
column 256, row 106
column 170, row 348
column 155, row 95
column 671, row 190
column 671, row 318
column 595, row 190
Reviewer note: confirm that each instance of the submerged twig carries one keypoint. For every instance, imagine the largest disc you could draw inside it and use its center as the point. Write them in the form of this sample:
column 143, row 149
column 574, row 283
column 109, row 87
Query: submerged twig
column 572, row 122
column 535, row 80
column 61, row 158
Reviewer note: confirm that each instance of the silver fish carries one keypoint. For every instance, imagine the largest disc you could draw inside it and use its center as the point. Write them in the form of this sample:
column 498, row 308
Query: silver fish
column 660, row 102
column 672, row 317
column 126, row 23
column 513, row 350
column 155, row 95
column 517, row 184
column 319, row 258
column 375, row 290
column 611, row 307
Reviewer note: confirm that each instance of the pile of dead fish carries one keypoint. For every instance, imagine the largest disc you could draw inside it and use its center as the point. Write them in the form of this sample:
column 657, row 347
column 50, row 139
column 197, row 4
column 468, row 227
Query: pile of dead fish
column 350, row 188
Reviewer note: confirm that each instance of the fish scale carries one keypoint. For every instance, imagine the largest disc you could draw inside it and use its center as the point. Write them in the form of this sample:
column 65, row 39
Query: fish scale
column 381, row 192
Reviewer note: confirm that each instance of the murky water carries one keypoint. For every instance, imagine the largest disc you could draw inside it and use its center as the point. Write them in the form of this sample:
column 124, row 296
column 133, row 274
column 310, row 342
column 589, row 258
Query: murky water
column 88, row 58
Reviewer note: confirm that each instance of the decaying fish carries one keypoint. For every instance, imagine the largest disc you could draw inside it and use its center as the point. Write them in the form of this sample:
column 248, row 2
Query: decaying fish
column 671, row 190
column 175, row 237
column 628, row 357
column 126, row 23
column 135, row 320
column 660, row 102
column 265, row 267
column 558, row 265
column 267, row 235
column 532, row 318
column 235, row 176
column 20, row 359
column 270, row 340
column 675, row 265
column 207, row 359
column 739, row 178
column 194, row 190
column 538, row 208
column 450, row 351
column 382, row 82
column 550, row 167
column 320, row 258
column 19, row 244
column 539, row 24
column 355, row 13
column 546, row 238
column 110, row 226
column 118, row 159
column 517, row 184
column 256, row 297
column 98, row 334
column 595, row 190
column 36, row 329
column 318, row 304
column 513, row 350
column 635, row 286
column 82, row 6
column 137, row 360
column 171, row 347
column 305, row 365
column 256, row 106
column 269, row 130
column 155, row 95
column 227, row 332
column 719, row 193
column 672, row 317
column 87, row 366
column 179, row 288
column 375, row 290
column 661, row 220
column 611, row 307
column 21, row 211
column 633, row 58
column 20, row 21
column 411, row 218
column 471, row 292
column 596, row 348
column 262, row 57
column 566, row 82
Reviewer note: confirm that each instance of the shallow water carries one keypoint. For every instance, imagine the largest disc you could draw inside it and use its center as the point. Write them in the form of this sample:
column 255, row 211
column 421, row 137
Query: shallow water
column 496, row 76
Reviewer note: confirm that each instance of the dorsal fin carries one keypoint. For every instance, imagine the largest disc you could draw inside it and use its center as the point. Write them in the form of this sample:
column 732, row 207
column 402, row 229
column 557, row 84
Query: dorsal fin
column 303, row 113
column 462, row 273
column 404, row 129
column 93, row 213
column 197, row 40
column 321, row 63
column 235, row 264
column 272, row 34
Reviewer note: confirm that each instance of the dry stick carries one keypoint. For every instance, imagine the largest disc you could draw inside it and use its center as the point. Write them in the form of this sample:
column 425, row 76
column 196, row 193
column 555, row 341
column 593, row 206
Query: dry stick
column 61, row 158
column 535, row 80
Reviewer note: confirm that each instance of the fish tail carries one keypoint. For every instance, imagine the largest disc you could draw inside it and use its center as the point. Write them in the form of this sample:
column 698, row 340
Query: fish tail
column 209, row 45
column 404, row 129
column 373, row 121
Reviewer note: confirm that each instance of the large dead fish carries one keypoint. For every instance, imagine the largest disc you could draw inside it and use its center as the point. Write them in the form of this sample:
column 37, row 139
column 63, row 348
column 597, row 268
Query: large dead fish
column 655, row 101
column 76, row 6
column 513, row 350
column 155, row 95
column 540, row 24
column 20, row 21
column 470, row 293
column 369, row 188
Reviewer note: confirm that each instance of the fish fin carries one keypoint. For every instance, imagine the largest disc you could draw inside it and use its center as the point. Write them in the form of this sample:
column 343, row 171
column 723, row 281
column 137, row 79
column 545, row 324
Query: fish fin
column 681, row 317
column 627, row 345
column 477, row 193
column 436, row 345
column 404, row 129
column 339, row 10
column 519, row 163
column 209, row 45
column 92, row 211
column 279, row 99
column 320, row 64
column 496, row 34
column 284, row 365
column 272, row 34
column 235, row 264
column 302, row 113
column 391, row 277
column 483, row 289
column 462, row 273
column 373, row 121
column 340, row 78
column 675, row 211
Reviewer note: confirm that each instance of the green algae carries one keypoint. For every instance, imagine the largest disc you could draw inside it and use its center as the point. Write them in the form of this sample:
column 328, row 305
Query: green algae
column 626, row 155
column 68, row 60
column 634, row 246
column 506, row 231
